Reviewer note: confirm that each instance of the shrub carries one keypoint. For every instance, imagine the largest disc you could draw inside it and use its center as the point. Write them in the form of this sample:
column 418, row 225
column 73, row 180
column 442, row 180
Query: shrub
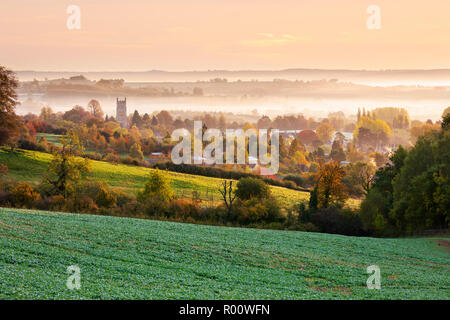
column 6, row 199
column 131, row 161
column 93, row 156
column 24, row 195
column 248, row 188
column 52, row 203
column 336, row 220
column 136, row 152
column 3, row 170
column 297, row 179
column 81, row 203
column 155, row 207
column 30, row 145
column 111, row 157
column 123, row 198
column 255, row 211
column 158, row 187
column 98, row 192
column 184, row 210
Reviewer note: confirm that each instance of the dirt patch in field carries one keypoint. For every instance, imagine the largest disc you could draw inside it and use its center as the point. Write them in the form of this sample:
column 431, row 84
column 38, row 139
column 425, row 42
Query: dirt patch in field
column 445, row 244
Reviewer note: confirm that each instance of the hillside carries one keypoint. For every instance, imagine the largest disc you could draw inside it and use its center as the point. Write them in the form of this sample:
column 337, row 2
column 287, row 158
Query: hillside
column 143, row 259
column 29, row 166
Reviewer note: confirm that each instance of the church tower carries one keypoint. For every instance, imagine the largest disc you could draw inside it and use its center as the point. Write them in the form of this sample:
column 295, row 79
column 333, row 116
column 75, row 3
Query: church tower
column 121, row 112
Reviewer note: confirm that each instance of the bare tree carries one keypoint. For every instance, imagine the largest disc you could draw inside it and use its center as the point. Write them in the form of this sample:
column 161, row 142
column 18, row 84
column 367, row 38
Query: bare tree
column 226, row 190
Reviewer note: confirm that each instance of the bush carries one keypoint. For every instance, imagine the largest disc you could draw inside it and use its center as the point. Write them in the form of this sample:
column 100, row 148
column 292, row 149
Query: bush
column 6, row 199
column 24, row 195
column 3, row 170
column 157, row 187
column 81, row 203
column 339, row 221
column 111, row 157
column 256, row 211
column 30, row 145
column 155, row 207
column 184, row 210
column 123, row 198
column 93, row 156
column 136, row 152
column 297, row 179
column 248, row 188
column 131, row 161
column 98, row 192
column 52, row 203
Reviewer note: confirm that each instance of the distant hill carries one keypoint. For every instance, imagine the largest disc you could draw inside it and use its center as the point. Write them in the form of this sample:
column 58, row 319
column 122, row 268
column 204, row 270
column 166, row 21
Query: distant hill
column 358, row 76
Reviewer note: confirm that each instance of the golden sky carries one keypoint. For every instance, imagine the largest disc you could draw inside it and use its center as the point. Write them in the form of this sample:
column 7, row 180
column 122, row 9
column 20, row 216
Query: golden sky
column 180, row 35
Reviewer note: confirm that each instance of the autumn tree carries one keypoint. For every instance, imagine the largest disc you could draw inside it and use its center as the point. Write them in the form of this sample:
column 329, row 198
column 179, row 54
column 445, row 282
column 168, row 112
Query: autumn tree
column 95, row 109
column 330, row 189
column 371, row 132
column 46, row 114
column 294, row 147
column 337, row 151
column 325, row 131
column 136, row 152
column 359, row 177
column 307, row 137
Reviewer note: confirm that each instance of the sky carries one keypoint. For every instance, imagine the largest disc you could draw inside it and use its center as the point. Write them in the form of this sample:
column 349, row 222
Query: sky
column 178, row 35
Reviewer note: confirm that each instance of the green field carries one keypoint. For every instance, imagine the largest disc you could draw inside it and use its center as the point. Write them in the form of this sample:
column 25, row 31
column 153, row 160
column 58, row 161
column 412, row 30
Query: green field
column 51, row 138
column 144, row 259
column 29, row 166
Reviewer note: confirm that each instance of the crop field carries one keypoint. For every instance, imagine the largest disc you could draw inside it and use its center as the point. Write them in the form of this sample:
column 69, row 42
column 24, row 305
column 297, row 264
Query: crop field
column 29, row 166
column 143, row 259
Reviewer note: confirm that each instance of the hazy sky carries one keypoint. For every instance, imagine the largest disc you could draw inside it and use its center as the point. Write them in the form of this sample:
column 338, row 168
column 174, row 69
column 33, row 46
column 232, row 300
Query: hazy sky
column 223, row 34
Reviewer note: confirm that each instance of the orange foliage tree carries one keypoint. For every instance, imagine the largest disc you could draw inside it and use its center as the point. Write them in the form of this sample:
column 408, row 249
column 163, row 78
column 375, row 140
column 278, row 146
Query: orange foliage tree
column 330, row 188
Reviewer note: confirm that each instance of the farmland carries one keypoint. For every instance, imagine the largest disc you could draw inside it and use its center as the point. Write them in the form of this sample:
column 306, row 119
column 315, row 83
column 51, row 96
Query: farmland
column 143, row 259
column 29, row 166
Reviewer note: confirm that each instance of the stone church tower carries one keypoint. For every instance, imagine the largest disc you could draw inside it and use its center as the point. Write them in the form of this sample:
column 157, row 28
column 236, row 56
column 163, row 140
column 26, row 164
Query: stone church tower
column 121, row 113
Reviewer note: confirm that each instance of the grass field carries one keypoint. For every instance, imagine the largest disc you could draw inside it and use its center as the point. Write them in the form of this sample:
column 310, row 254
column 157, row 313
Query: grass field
column 144, row 259
column 52, row 138
column 29, row 166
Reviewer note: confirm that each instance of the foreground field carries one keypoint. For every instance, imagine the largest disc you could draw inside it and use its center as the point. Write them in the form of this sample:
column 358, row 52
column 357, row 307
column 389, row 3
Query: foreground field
column 29, row 166
column 143, row 259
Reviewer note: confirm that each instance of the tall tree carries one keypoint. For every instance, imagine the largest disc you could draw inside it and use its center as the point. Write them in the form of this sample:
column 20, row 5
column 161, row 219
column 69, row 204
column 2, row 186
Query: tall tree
column 9, row 127
column 325, row 131
column 330, row 188
column 66, row 169
column 95, row 109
